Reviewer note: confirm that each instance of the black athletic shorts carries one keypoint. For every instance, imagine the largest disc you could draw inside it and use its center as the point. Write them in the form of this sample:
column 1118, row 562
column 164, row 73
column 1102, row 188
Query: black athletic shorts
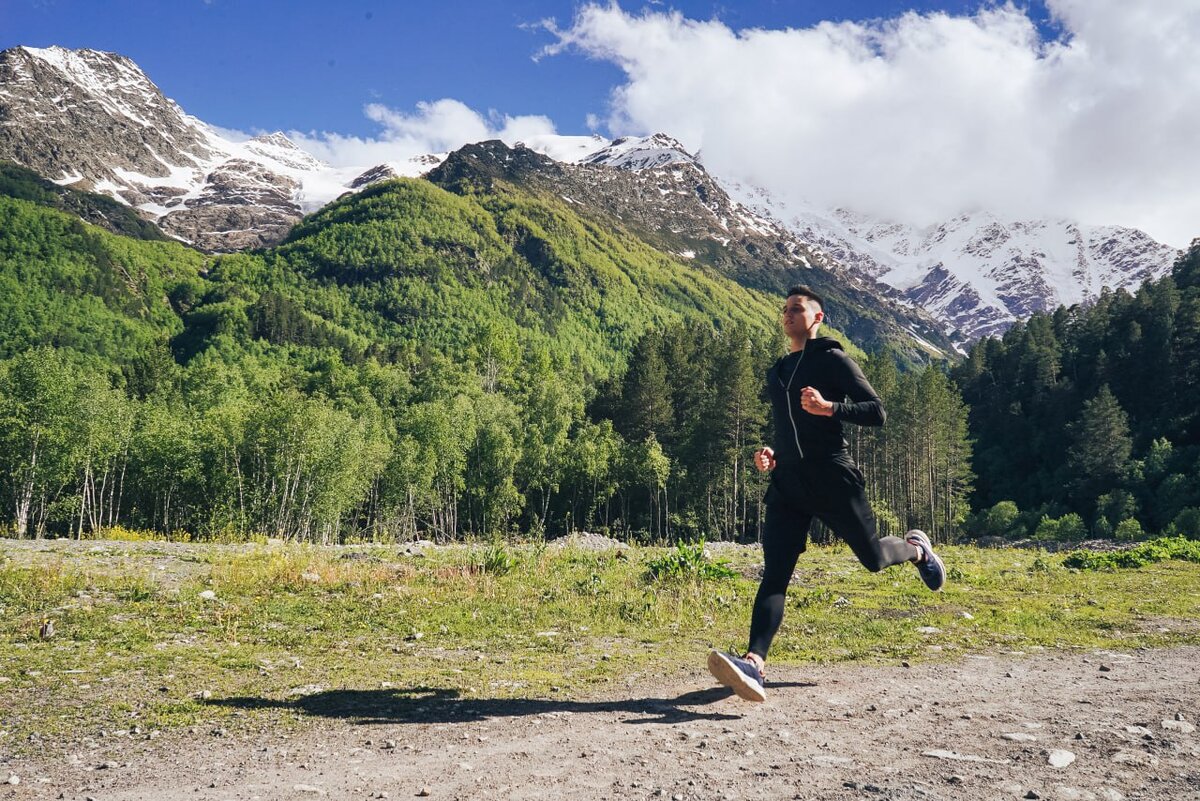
column 830, row 489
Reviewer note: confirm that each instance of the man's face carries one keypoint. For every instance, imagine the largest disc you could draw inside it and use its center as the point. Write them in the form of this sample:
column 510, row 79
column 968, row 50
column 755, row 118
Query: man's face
column 801, row 314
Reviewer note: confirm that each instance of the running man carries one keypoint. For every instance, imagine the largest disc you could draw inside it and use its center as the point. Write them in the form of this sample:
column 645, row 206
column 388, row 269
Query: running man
column 813, row 390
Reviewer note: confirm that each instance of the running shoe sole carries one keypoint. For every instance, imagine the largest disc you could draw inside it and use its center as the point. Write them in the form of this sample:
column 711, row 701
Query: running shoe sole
column 726, row 672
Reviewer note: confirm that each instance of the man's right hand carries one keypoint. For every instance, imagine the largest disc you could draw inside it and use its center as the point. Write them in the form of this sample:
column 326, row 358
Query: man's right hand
column 764, row 459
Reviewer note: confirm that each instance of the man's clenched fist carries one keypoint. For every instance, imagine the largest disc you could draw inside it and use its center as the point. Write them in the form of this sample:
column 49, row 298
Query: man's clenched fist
column 764, row 459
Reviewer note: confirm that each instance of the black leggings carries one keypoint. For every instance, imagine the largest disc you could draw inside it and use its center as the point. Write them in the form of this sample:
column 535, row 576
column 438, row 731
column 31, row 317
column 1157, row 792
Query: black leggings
column 831, row 491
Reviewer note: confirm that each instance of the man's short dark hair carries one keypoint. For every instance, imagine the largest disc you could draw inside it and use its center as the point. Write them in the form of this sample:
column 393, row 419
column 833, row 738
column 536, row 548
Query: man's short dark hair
column 806, row 292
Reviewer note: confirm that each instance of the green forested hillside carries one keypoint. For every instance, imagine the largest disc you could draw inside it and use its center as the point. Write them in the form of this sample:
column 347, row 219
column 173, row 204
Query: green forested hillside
column 1086, row 420
column 410, row 362
column 66, row 284
column 21, row 183
column 757, row 262
column 451, row 271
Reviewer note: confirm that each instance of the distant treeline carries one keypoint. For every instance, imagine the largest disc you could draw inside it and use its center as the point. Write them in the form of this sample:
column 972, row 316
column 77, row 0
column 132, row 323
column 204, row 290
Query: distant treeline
column 416, row 363
column 662, row 453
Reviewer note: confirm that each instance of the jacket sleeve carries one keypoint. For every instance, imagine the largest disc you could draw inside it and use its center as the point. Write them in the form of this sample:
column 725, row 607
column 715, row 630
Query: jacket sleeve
column 864, row 406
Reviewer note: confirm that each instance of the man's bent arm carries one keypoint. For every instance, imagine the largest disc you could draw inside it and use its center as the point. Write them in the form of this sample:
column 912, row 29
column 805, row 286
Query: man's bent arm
column 865, row 407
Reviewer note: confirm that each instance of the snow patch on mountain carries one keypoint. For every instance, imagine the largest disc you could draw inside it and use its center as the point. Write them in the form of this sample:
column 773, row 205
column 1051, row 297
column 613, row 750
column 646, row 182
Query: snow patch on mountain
column 640, row 153
column 567, row 149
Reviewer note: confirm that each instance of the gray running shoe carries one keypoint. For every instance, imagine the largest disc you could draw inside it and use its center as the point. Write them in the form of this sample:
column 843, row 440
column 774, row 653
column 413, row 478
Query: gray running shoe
column 738, row 674
column 932, row 571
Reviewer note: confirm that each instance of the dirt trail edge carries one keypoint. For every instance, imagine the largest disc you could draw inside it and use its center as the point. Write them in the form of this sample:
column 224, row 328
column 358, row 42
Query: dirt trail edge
column 1052, row 725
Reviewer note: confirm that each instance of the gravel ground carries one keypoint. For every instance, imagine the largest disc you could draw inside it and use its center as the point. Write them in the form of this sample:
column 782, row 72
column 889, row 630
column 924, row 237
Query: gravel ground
column 1052, row 725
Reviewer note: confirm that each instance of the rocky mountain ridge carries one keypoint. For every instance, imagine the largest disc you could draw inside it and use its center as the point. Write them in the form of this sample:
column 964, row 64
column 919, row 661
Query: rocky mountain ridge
column 977, row 274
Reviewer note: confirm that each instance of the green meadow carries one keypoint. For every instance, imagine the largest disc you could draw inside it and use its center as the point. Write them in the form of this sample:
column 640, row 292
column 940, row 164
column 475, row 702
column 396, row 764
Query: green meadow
column 100, row 638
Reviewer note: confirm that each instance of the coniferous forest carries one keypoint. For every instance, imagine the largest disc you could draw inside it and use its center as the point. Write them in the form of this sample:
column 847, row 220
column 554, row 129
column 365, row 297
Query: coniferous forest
column 1086, row 420
column 413, row 362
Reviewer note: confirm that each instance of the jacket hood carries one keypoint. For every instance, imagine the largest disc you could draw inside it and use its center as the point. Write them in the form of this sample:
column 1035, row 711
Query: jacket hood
column 819, row 344
column 814, row 346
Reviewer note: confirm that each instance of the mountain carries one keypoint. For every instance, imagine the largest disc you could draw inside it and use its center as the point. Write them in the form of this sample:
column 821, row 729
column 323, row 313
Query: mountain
column 438, row 269
column 96, row 122
column 654, row 188
column 979, row 273
column 400, row 271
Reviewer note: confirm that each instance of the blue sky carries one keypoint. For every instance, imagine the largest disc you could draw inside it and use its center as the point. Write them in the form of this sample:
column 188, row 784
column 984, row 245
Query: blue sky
column 313, row 66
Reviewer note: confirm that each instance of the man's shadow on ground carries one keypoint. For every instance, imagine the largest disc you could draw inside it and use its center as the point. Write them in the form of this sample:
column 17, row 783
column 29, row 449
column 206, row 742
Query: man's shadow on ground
column 439, row 705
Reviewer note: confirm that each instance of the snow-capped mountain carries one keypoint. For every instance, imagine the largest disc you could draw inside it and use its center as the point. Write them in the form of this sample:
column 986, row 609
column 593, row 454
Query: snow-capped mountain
column 95, row 121
column 978, row 273
column 654, row 182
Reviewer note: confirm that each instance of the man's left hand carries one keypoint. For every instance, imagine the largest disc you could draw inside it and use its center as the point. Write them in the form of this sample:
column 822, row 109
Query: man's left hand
column 812, row 402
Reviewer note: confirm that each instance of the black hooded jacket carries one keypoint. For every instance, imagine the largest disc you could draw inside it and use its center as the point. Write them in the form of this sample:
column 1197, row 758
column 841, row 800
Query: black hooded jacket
column 824, row 366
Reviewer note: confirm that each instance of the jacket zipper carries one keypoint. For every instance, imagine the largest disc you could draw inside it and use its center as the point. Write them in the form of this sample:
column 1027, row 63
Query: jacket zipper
column 787, row 393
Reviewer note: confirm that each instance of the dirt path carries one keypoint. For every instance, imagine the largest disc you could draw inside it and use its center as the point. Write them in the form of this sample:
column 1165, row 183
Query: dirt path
column 825, row 733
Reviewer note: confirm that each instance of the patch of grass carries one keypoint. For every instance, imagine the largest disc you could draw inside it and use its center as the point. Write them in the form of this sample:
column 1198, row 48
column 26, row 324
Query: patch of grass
column 122, row 534
column 268, row 624
column 24, row 589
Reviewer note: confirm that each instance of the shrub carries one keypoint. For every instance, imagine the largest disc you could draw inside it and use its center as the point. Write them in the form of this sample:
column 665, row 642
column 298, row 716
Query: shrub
column 1129, row 530
column 1157, row 550
column 1187, row 523
column 1002, row 520
column 1067, row 528
column 1047, row 528
column 688, row 562
column 1071, row 528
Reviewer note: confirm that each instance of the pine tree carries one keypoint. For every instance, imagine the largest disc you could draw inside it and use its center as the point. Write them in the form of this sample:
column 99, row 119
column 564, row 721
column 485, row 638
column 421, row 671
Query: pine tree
column 645, row 407
column 1183, row 417
column 1101, row 445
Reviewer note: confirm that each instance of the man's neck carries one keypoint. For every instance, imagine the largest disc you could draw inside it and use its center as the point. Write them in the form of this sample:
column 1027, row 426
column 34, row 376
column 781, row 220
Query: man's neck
column 798, row 343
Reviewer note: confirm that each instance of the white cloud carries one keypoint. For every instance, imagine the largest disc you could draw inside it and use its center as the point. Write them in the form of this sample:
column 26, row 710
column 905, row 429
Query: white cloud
column 233, row 134
column 434, row 127
column 923, row 116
